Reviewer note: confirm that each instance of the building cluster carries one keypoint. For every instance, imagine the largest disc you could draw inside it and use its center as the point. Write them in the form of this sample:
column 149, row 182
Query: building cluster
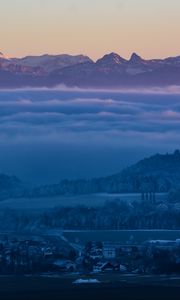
column 157, row 256
column 30, row 256
column 36, row 256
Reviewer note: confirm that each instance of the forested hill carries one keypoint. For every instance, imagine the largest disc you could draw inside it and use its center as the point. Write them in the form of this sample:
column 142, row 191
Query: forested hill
column 159, row 173
column 10, row 186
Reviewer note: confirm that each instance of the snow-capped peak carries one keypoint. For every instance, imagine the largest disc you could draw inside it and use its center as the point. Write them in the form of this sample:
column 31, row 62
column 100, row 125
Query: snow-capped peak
column 116, row 58
column 2, row 56
column 112, row 58
column 135, row 58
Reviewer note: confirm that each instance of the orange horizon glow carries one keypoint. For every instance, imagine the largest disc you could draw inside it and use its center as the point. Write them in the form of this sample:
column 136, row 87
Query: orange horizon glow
column 93, row 28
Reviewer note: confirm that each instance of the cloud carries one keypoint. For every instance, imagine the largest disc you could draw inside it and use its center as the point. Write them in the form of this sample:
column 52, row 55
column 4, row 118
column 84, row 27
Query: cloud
column 83, row 133
column 47, row 114
column 166, row 90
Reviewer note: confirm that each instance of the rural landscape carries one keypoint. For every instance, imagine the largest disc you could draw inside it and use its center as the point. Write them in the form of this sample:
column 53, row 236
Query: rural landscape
column 117, row 231
column 89, row 150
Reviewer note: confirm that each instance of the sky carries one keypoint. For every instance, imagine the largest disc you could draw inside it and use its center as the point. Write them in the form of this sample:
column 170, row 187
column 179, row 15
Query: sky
column 48, row 135
column 91, row 27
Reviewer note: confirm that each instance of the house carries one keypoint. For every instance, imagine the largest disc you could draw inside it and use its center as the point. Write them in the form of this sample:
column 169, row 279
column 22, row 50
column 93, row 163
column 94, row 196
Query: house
column 123, row 268
column 47, row 252
column 64, row 265
column 109, row 251
column 163, row 244
column 106, row 267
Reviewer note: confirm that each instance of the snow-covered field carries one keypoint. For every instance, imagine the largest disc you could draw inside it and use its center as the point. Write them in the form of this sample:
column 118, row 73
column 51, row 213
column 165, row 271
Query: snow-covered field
column 121, row 236
column 85, row 281
column 43, row 203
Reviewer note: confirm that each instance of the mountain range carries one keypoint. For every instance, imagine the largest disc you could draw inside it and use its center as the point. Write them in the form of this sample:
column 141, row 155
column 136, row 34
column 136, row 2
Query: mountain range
column 110, row 71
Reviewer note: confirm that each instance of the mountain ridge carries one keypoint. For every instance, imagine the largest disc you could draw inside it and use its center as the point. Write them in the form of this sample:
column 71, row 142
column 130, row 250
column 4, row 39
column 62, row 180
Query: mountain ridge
column 110, row 71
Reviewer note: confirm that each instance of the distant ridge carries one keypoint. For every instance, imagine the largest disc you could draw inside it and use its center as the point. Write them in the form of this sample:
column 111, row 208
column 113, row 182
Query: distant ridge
column 110, row 71
column 158, row 173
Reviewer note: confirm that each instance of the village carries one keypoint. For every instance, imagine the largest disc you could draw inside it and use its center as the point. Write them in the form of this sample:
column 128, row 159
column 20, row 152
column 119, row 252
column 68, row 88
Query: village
column 56, row 255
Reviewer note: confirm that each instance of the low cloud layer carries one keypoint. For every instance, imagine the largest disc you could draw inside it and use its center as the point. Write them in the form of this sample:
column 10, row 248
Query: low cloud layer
column 86, row 122
column 42, row 114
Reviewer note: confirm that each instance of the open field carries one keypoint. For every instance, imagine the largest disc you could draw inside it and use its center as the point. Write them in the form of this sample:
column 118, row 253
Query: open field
column 124, row 288
column 43, row 203
column 120, row 236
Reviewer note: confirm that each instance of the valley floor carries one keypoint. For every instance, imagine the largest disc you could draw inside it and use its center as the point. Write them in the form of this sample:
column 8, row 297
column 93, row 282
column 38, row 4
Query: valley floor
column 111, row 287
